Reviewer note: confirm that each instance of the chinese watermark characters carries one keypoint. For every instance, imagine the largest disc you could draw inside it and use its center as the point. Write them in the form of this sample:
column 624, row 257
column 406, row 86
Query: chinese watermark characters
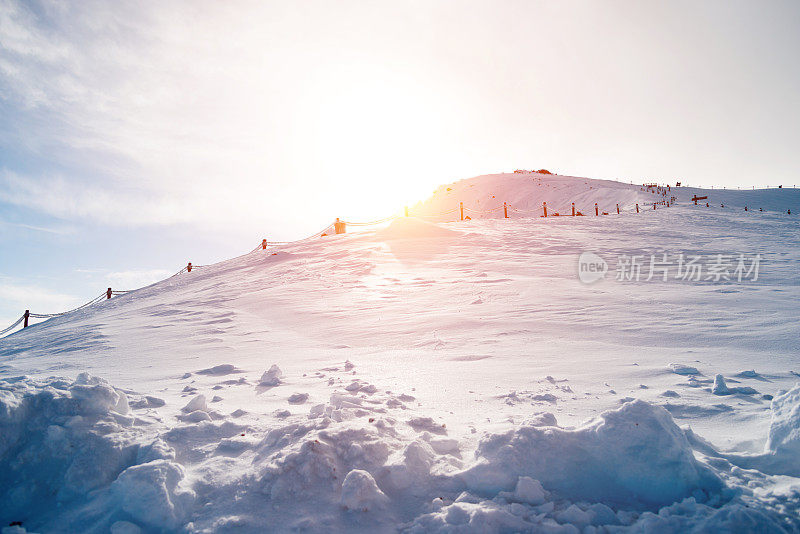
column 664, row 267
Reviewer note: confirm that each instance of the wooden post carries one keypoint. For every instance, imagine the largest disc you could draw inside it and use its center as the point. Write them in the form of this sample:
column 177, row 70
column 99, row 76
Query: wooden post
column 189, row 267
column 617, row 209
column 596, row 211
column 339, row 227
column 544, row 206
column 108, row 293
column 406, row 210
column 573, row 209
column 637, row 207
column 462, row 210
column 654, row 206
column 263, row 244
column 26, row 315
column 505, row 210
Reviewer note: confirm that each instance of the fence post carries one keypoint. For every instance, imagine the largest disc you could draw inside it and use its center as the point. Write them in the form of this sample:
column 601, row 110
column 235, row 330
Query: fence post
column 637, row 207
column 189, row 267
column 263, row 244
column 462, row 210
column 654, row 206
column 596, row 211
column 505, row 210
column 26, row 315
column 544, row 206
column 405, row 208
column 108, row 293
column 617, row 209
column 339, row 227
column 573, row 209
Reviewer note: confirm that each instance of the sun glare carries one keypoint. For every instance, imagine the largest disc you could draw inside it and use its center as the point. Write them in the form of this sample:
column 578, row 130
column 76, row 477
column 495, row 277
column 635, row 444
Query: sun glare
column 379, row 140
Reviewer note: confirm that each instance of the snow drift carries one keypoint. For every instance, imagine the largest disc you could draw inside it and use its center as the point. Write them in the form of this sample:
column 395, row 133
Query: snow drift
column 77, row 458
column 635, row 456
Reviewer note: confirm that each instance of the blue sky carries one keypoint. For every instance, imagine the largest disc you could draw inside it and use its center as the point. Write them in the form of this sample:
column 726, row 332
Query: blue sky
column 137, row 136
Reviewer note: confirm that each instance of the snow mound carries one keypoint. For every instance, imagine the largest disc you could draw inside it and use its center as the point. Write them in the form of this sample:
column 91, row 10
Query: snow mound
column 413, row 228
column 152, row 494
column 681, row 369
column 271, row 377
column 784, row 429
column 635, row 456
column 65, row 445
column 360, row 492
column 720, row 387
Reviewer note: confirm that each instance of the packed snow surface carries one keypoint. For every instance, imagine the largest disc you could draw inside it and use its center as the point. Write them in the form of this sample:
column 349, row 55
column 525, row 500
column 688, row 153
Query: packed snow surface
column 430, row 376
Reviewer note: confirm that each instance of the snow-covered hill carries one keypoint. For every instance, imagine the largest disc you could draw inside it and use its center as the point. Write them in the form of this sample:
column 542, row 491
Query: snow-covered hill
column 524, row 194
column 431, row 376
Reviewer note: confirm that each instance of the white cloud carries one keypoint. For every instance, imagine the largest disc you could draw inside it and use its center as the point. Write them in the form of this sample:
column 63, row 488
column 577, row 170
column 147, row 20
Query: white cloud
column 125, row 280
column 35, row 298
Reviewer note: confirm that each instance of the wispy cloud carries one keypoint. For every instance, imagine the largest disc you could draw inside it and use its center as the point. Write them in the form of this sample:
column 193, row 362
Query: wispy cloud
column 135, row 279
column 57, row 230
column 34, row 298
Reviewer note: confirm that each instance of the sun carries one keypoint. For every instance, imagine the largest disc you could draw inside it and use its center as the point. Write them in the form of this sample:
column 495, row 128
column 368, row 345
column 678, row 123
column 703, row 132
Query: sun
column 378, row 139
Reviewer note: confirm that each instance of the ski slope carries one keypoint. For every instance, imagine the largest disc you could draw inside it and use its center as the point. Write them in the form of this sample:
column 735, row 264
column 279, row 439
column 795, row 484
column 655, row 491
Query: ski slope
column 429, row 375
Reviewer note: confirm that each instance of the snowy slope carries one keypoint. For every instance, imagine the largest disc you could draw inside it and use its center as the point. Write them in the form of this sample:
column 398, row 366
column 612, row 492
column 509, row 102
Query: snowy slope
column 430, row 377
column 483, row 196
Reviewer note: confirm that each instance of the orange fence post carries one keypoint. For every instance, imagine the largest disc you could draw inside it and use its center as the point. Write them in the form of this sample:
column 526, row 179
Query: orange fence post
column 637, row 207
column 505, row 210
column 617, row 209
column 573, row 209
column 189, row 267
column 544, row 206
column 108, row 293
column 462, row 210
column 596, row 211
column 263, row 244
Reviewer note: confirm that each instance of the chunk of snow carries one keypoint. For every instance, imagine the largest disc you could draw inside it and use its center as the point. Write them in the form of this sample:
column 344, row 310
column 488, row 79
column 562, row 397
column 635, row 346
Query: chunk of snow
column 219, row 370
column 720, row 387
column 271, row 377
column 152, row 494
column 361, row 492
column 680, row 369
column 634, row 456
column 529, row 491
column 198, row 402
column 542, row 419
column 784, row 428
column 196, row 416
column 154, row 402
column 298, row 398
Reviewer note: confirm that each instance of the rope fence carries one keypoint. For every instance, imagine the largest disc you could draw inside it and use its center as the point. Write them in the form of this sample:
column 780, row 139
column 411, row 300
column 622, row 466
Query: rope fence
column 340, row 226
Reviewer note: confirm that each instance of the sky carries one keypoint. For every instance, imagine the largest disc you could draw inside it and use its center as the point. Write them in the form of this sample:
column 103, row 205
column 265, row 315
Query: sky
column 136, row 136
